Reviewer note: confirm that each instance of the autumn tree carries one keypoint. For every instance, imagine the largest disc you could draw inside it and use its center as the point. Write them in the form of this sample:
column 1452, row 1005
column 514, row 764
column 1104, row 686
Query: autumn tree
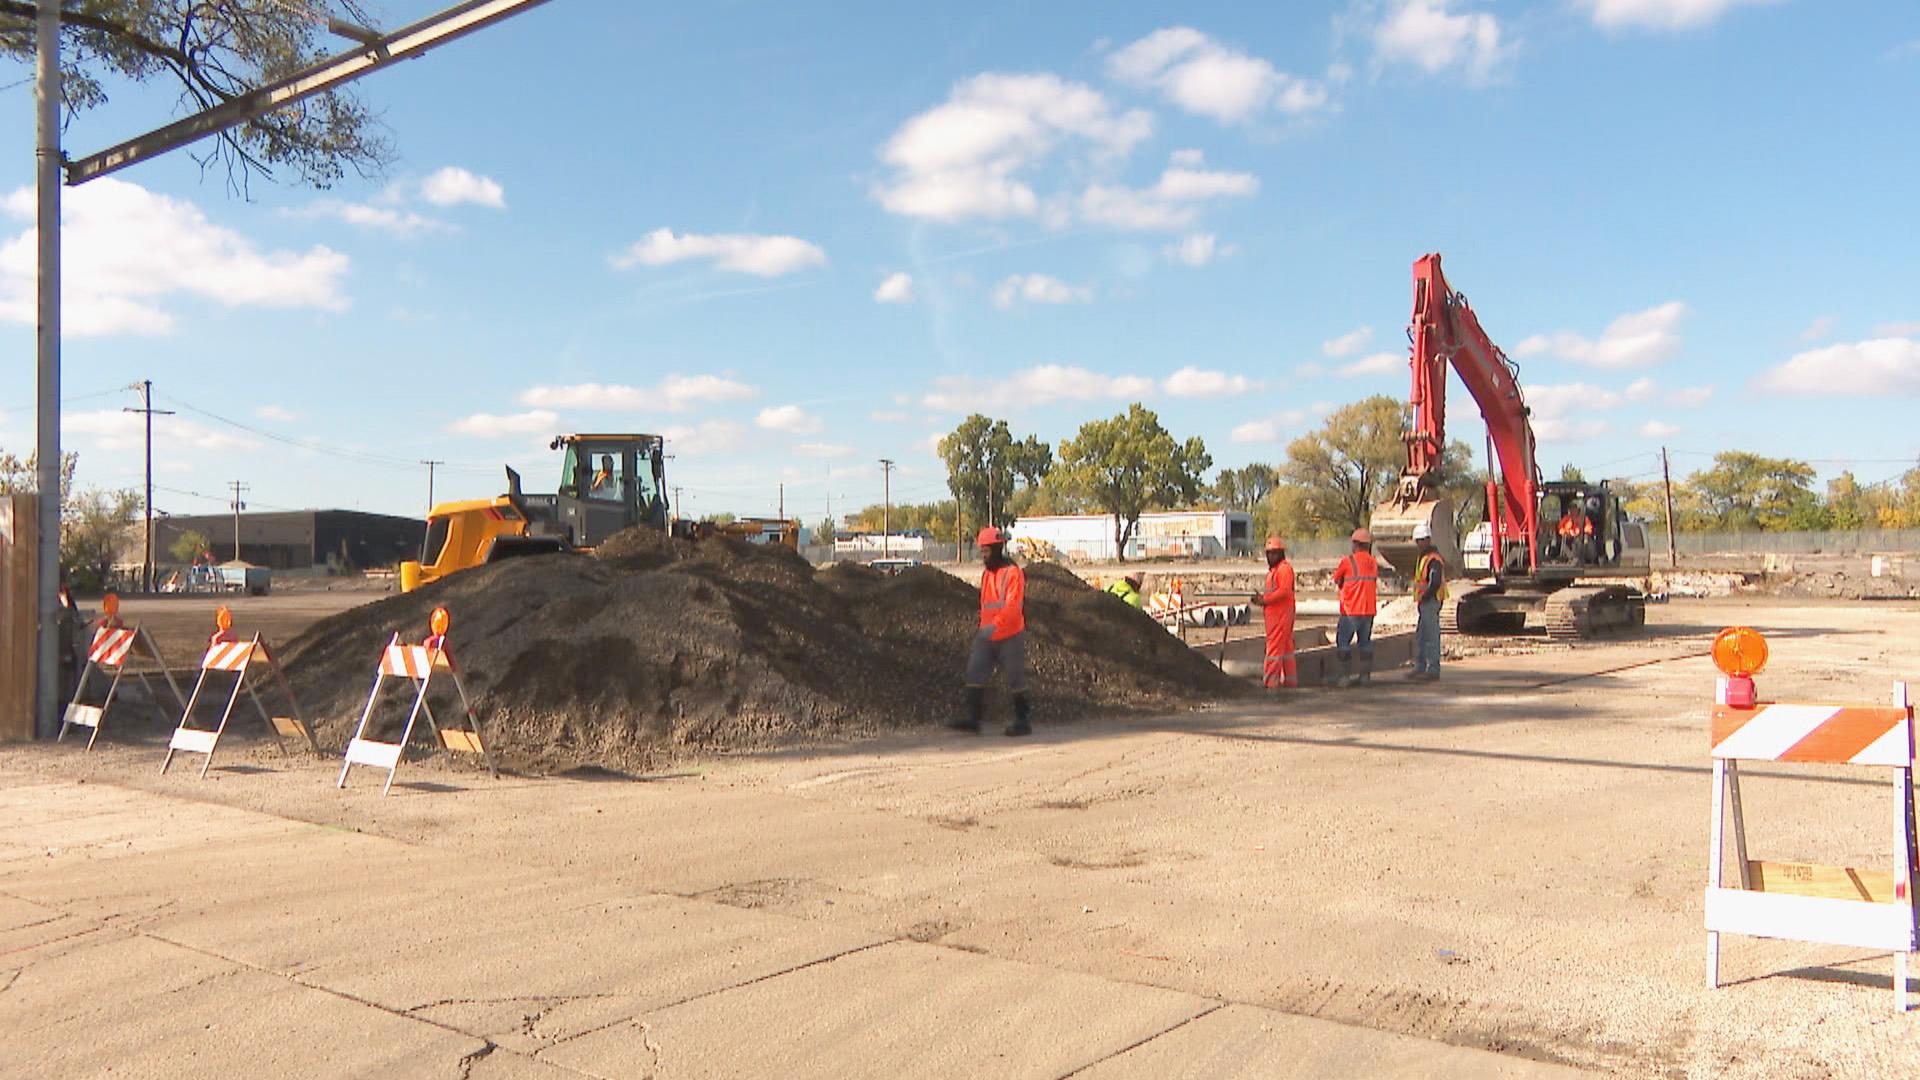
column 992, row 475
column 1245, row 488
column 1747, row 491
column 215, row 51
column 1351, row 464
column 1129, row 465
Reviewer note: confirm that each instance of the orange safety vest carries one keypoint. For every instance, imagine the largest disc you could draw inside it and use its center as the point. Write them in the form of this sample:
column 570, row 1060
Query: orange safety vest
column 1358, row 577
column 1003, row 601
column 1567, row 527
column 1279, row 598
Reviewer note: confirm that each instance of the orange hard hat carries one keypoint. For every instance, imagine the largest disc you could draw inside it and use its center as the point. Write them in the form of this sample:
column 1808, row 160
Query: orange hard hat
column 1362, row 536
column 990, row 535
column 1274, row 543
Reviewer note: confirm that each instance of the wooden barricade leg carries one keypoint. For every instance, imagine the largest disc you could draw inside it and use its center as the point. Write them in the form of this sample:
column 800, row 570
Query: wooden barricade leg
column 221, row 729
column 166, row 671
column 1716, row 849
column 100, row 721
column 67, row 719
column 406, row 733
column 293, row 703
column 186, row 713
column 473, row 719
column 355, row 752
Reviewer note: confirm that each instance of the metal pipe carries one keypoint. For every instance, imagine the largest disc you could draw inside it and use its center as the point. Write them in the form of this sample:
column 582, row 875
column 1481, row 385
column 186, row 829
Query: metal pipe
column 47, row 179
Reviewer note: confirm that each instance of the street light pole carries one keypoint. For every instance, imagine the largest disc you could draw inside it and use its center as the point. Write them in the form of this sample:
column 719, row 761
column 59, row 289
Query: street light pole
column 145, row 386
column 47, row 157
column 886, row 508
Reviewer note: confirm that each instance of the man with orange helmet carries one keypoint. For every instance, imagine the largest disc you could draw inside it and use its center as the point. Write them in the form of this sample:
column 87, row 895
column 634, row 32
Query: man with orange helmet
column 1001, row 640
column 1358, row 579
column 1276, row 604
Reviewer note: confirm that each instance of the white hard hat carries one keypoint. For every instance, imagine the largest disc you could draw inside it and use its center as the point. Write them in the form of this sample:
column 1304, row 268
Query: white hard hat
column 1423, row 531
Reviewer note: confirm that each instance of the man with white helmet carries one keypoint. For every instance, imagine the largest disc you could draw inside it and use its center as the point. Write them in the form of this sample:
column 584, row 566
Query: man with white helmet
column 1429, row 591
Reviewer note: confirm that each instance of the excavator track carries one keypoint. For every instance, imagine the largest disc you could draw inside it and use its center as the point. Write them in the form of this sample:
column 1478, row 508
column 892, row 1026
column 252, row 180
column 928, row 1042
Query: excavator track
column 1584, row 612
column 1467, row 611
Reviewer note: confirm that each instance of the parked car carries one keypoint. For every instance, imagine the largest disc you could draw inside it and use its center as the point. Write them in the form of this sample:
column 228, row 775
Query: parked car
column 894, row 566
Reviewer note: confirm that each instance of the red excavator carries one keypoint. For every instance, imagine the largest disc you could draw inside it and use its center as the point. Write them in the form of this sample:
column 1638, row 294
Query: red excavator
column 1541, row 545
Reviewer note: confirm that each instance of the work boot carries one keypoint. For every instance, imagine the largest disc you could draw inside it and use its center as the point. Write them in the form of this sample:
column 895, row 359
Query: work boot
column 1020, row 725
column 1366, row 671
column 1345, row 678
column 976, row 705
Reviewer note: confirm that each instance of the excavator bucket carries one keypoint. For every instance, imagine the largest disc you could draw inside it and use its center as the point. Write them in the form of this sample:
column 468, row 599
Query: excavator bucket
column 1392, row 527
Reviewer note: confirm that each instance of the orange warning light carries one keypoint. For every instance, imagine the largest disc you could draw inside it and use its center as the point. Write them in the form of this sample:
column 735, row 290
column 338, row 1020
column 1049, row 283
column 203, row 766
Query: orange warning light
column 439, row 620
column 110, row 604
column 1739, row 651
column 223, row 617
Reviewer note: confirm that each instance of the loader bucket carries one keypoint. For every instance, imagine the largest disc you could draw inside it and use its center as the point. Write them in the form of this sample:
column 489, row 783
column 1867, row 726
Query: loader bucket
column 1392, row 528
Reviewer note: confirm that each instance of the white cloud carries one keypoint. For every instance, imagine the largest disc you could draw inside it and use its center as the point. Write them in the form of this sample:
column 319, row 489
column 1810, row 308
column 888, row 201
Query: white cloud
column 675, row 393
column 364, row 215
column 1898, row 329
column 968, row 157
column 1269, row 429
column 488, row 425
column 1348, row 343
column 1819, row 329
column 1040, row 289
column 791, row 419
column 1203, row 76
column 1633, row 340
column 1879, row 368
column 452, row 186
column 706, row 437
column 1689, row 397
column 888, row 416
column 125, row 249
column 762, row 256
column 1641, row 389
column 1171, row 203
column 1565, row 413
column 114, row 430
column 1429, row 35
column 823, row 450
column 897, row 289
column 1041, row 385
column 1191, row 382
column 1197, row 249
column 1661, row 14
column 1379, row 363
column 1189, row 158
column 275, row 412
column 1658, row 429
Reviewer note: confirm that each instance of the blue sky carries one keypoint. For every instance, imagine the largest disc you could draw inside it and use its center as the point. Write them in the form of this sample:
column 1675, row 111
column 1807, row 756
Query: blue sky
column 796, row 241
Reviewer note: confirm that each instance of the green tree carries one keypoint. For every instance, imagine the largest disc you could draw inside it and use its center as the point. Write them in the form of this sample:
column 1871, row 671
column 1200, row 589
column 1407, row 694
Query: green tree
column 1335, row 476
column 1747, row 491
column 215, row 51
column 1129, row 464
column 986, row 469
column 19, row 477
column 1571, row 474
column 187, row 546
column 90, row 532
column 1247, row 487
column 1031, row 460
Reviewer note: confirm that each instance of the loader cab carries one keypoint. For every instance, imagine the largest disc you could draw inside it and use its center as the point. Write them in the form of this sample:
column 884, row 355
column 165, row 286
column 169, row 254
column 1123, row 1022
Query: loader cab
column 608, row 483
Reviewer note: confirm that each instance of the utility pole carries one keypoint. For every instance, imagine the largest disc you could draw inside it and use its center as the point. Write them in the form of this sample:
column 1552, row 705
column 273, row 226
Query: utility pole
column 676, row 503
column 783, row 502
column 238, row 506
column 145, row 387
column 1673, row 546
column 886, row 507
column 430, row 465
column 47, row 159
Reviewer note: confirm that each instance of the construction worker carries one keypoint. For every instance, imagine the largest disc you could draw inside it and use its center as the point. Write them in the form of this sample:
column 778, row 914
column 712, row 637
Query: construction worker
column 1358, row 579
column 1429, row 592
column 1001, row 640
column 1128, row 588
column 1276, row 604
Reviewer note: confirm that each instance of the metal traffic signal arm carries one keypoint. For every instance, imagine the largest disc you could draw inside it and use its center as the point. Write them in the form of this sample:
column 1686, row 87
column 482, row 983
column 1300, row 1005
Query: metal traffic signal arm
column 376, row 51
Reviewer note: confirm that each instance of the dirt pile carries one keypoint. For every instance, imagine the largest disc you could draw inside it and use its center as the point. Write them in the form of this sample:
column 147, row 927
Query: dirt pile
column 660, row 646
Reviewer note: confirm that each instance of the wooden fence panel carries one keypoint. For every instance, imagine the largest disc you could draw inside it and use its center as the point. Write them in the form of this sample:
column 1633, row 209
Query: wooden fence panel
column 19, row 551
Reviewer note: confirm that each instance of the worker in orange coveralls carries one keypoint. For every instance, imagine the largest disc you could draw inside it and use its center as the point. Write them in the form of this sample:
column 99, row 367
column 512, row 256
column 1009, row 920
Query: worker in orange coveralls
column 1001, row 640
column 1276, row 603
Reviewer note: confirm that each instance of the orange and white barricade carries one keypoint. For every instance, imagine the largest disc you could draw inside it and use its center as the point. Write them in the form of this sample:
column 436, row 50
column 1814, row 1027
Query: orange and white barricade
column 115, row 649
column 1832, row 905
column 242, row 659
column 425, row 666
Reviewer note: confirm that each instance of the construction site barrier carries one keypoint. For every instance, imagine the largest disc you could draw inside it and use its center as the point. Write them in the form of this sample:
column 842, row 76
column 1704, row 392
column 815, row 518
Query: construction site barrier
column 1832, row 905
column 240, row 659
column 420, row 665
column 114, row 649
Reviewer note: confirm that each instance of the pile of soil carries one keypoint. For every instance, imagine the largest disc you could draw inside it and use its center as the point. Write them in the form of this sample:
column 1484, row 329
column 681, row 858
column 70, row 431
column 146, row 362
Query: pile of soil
column 658, row 647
